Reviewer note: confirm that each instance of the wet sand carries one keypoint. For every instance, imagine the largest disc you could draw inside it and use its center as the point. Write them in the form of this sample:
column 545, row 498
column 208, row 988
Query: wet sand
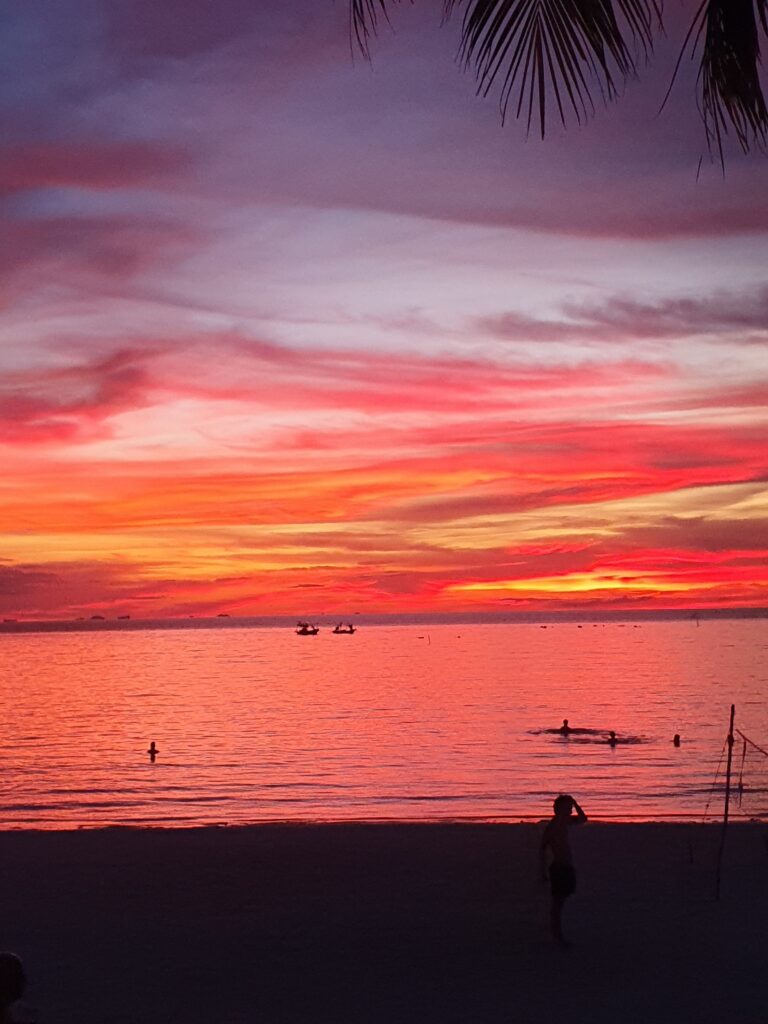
column 286, row 924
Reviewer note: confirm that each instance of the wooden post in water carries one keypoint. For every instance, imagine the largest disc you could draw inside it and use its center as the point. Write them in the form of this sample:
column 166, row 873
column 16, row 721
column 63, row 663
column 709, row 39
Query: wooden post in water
column 729, row 762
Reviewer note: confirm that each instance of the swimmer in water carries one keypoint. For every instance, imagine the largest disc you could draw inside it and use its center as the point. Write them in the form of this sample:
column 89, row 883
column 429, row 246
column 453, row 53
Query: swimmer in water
column 676, row 739
column 612, row 741
column 153, row 751
column 565, row 729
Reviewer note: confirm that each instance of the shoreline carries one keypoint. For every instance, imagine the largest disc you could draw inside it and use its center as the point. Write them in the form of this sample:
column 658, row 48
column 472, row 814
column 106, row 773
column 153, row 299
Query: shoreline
column 384, row 923
column 672, row 819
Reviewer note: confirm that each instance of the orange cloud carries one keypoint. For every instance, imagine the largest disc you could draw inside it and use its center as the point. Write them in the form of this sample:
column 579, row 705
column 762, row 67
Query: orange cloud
column 250, row 476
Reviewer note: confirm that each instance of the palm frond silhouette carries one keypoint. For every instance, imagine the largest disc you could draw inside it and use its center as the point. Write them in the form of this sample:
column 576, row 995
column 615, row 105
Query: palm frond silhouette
column 563, row 52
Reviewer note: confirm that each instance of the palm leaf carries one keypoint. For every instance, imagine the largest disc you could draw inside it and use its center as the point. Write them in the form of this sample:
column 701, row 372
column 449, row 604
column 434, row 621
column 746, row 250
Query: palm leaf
column 364, row 19
column 535, row 49
column 729, row 78
column 542, row 51
column 538, row 50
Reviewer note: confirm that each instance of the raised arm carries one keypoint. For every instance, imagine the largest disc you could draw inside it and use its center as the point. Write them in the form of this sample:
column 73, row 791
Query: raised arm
column 581, row 818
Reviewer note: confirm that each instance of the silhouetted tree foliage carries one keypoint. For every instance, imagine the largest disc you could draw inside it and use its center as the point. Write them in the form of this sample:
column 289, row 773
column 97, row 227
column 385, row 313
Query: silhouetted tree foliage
column 541, row 52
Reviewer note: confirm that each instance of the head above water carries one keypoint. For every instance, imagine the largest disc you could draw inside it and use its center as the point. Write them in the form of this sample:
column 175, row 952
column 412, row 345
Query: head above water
column 12, row 979
column 563, row 805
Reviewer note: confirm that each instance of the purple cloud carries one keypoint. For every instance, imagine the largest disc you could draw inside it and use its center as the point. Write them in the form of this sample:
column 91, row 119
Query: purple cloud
column 743, row 316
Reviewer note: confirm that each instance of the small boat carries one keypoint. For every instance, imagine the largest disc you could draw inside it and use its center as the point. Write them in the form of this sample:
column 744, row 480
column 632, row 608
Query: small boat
column 97, row 618
column 349, row 629
column 304, row 629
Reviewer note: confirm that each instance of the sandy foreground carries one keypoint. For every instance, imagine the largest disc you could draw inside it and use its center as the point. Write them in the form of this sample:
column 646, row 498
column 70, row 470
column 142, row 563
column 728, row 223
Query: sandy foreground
column 385, row 923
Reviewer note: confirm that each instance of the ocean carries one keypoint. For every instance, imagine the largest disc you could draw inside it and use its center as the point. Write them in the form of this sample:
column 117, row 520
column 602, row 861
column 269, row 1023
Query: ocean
column 421, row 722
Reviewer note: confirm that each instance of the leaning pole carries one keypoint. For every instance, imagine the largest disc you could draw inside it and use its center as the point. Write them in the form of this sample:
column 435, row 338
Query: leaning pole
column 729, row 762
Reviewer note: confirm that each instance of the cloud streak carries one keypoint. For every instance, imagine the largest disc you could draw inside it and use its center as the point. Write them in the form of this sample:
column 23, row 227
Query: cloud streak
column 86, row 164
column 738, row 317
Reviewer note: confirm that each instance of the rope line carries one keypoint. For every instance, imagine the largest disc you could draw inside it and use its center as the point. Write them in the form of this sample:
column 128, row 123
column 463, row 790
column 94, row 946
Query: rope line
column 717, row 773
column 741, row 772
column 747, row 745
column 751, row 742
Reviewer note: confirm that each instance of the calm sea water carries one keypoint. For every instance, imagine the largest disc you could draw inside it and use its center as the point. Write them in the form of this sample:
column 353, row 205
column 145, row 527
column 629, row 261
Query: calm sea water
column 396, row 722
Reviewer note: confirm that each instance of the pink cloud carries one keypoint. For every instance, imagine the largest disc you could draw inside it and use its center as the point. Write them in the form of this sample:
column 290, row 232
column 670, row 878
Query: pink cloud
column 87, row 251
column 71, row 403
column 226, row 369
column 86, row 164
column 85, row 255
column 490, row 414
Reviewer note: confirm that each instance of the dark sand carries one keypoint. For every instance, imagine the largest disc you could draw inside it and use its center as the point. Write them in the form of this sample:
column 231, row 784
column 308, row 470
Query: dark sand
column 385, row 923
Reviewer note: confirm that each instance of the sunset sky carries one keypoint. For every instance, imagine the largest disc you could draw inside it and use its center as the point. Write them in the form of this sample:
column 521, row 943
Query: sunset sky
column 286, row 333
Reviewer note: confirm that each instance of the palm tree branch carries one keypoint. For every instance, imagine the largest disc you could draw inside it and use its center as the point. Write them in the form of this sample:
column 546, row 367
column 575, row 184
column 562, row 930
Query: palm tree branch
column 730, row 92
column 571, row 72
column 556, row 46
column 566, row 48
column 364, row 18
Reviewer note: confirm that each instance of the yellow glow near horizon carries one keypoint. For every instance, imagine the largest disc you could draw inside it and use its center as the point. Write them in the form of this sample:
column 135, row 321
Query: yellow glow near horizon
column 578, row 583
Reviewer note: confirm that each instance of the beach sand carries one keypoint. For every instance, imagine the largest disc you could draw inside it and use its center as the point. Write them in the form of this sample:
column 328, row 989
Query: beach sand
column 395, row 923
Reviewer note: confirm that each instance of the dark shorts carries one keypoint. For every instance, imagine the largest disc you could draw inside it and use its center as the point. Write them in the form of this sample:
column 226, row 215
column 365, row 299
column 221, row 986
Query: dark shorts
column 562, row 878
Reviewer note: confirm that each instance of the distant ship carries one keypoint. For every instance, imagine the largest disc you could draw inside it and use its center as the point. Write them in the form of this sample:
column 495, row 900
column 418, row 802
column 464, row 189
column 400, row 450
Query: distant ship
column 123, row 616
column 223, row 615
column 304, row 629
column 97, row 618
column 348, row 629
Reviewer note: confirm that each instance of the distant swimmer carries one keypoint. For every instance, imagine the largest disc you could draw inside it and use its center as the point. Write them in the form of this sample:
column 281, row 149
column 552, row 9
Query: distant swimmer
column 612, row 741
column 153, row 751
column 676, row 739
column 565, row 729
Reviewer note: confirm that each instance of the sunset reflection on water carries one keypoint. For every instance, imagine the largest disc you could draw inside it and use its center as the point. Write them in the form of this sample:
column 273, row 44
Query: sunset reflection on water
column 404, row 722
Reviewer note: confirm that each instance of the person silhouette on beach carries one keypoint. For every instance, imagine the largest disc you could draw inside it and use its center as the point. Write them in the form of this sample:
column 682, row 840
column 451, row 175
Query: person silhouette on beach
column 153, row 752
column 12, row 984
column 555, row 842
column 565, row 729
